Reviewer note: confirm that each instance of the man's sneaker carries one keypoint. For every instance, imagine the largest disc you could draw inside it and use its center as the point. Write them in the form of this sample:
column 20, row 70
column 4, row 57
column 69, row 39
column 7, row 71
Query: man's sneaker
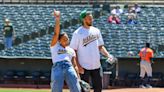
column 142, row 86
column 148, row 86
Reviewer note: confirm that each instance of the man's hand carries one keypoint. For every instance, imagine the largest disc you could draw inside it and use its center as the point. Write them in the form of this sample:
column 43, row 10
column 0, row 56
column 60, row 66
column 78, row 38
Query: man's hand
column 77, row 71
column 111, row 59
column 81, row 70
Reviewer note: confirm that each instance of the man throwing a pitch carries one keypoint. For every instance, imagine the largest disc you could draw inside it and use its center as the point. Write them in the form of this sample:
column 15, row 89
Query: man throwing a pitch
column 88, row 43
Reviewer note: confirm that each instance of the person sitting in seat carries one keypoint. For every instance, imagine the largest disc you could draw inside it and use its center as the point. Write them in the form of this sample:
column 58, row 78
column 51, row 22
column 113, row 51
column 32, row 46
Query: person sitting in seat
column 131, row 20
column 136, row 8
column 114, row 19
column 117, row 11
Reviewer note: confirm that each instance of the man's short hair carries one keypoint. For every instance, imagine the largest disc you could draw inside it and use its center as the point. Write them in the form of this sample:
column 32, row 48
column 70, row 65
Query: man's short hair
column 148, row 45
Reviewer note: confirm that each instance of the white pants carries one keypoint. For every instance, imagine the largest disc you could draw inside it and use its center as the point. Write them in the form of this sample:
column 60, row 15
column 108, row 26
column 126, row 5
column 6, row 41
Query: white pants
column 145, row 67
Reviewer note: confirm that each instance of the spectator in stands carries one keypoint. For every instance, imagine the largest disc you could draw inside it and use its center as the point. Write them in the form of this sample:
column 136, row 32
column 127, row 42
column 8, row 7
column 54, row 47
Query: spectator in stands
column 146, row 54
column 87, row 42
column 132, row 12
column 63, row 58
column 113, row 19
column 8, row 32
column 117, row 11
column 137, row 8
column 131, row 20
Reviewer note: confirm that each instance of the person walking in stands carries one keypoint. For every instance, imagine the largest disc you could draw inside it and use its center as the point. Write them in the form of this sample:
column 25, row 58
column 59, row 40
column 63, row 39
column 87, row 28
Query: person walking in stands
column 63, row 59
column 146, row 54
column 8, row 33
column 87, row 42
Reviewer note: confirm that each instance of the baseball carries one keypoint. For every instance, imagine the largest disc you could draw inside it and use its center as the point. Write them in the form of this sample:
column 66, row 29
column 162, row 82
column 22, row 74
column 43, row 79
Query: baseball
column 57, row 12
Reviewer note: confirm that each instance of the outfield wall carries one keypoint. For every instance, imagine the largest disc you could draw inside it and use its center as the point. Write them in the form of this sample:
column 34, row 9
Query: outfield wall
column 132, row 65
column 30, row 64
column 26, row 64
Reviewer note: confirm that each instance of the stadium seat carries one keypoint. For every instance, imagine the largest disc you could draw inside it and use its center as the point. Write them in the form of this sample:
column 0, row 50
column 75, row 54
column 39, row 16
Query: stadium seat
column 45, row 77
column 132, row 79
column 120, row 81
column 20, row 77
column 119, row 39
column 8, row 77
column 157, row 79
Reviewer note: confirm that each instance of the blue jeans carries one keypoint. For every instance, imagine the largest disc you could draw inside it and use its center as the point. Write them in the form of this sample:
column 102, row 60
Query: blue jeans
column 61, row 71
column 8, row 42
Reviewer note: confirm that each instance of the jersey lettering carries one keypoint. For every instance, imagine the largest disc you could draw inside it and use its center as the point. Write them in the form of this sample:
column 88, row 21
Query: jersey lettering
column 89, row 39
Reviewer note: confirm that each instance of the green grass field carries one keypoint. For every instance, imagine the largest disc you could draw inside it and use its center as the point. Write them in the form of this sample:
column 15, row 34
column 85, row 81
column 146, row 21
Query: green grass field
column 105, row 90
column 25, row 90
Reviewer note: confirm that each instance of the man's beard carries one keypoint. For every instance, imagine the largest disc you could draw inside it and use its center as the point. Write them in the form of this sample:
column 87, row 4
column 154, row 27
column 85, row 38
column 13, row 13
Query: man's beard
column 88, row 24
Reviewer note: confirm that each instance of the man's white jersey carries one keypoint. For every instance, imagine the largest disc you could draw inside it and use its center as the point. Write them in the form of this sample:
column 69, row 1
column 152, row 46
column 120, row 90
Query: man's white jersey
column 87, row 42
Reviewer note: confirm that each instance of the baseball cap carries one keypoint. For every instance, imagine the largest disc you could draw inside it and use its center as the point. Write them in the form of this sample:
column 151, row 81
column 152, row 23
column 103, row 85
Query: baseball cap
column 84, row 13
